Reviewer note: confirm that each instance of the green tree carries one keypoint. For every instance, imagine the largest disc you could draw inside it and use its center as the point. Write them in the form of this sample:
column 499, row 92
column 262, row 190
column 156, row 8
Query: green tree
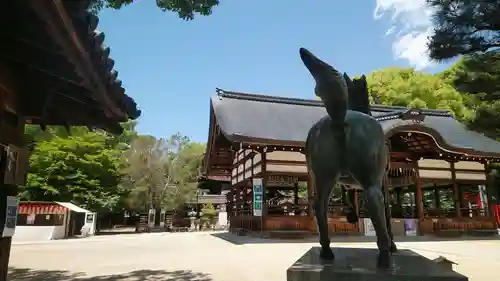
column 79, row 169
column 407, row 87
column 186, row 9
column 209, row 215
column 480, row 78
column 161, row 173
column 471, row 28
column 77, row 166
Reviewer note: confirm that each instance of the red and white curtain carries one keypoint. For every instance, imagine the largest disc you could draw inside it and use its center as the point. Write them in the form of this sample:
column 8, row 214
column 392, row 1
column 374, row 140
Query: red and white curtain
column 40, row 209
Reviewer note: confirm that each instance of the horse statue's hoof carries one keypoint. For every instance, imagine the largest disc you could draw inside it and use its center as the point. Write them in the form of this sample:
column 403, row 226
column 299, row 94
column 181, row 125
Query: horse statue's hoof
column 326, row 254
column 394, row 248
column 385, row 261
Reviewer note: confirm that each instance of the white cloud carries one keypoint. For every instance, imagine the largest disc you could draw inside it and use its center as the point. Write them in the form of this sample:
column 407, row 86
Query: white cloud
column 390, row 31
column 412, row 19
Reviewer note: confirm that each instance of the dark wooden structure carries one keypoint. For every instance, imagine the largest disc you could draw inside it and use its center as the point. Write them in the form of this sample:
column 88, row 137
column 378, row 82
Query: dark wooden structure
column 54, row 70
column 438, row 171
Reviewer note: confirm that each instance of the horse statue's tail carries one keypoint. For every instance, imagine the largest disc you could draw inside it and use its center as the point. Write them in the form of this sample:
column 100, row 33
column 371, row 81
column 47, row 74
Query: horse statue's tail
column 331, row 87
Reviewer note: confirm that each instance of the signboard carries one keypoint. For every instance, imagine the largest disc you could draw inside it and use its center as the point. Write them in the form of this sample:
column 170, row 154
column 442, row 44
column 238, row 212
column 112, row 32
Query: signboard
column 368, row 227
column 410, row 227
column 282, row 180
column 10, row 216
column 258, row 193
column 143, row 220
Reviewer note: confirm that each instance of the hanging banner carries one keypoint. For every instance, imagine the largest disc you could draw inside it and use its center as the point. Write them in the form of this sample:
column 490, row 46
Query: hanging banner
column 257, row 196
column 368, row 227
column 10, row 216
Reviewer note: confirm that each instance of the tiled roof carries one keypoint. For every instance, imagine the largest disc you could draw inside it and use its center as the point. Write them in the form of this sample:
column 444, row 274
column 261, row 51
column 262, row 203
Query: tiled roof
column 242, row 117
column 85, row 24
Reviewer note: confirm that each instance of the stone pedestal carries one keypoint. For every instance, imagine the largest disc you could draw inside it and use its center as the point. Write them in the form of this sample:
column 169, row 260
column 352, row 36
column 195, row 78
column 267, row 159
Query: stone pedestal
column 360, row 264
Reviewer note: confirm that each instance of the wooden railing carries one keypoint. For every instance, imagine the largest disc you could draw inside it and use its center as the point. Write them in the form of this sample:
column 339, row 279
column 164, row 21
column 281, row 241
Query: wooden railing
column 287, row 209
column 301, row 223
column 436, row 225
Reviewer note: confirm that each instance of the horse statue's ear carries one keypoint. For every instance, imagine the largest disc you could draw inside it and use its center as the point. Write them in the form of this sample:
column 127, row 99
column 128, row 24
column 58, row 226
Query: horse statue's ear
column 363, row 80
column 347, row 79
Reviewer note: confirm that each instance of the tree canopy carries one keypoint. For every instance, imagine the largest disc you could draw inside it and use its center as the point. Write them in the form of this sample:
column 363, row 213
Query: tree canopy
column 481, row 79
column 105, row 172
column 407, row 87
column 186, row 9
column 161, row 173
column 464, row 27
column 471, row 28
column 80, row 168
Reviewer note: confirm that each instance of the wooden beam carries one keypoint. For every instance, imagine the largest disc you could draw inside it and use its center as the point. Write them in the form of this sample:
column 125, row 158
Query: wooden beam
column 419, row 196
column 264, row 176
column 456, row 191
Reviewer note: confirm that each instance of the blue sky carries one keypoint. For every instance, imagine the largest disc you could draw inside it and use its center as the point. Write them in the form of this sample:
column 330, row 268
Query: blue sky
column 171, row 67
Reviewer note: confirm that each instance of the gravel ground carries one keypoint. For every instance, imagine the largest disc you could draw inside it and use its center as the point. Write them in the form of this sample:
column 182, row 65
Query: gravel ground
column 205, row 257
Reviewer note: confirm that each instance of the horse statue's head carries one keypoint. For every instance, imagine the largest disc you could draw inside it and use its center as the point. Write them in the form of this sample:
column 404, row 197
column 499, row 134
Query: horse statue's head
column 330, row 84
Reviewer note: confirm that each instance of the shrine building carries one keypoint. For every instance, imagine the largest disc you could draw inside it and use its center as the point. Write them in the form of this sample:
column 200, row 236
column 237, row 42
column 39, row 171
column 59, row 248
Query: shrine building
column 436, row 180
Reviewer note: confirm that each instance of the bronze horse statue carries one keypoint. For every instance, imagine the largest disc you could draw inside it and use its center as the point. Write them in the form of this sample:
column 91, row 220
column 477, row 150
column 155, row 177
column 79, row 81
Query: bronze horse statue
column 347, row 143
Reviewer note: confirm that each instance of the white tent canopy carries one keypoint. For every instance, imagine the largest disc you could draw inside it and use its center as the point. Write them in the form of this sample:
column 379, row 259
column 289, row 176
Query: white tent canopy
column 72, row 207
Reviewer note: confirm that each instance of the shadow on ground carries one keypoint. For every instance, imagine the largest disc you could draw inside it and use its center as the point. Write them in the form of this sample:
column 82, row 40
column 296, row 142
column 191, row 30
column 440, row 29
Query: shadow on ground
column 255, row 238
column 26, row 274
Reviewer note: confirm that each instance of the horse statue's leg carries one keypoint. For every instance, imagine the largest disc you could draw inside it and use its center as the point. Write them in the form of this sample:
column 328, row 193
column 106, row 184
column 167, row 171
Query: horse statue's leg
column 323, row 186
column 374, row 201
column 388, row 219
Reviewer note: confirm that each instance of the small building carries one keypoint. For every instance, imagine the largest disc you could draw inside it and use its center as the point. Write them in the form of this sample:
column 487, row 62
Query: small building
column 218, row 201
column 213, row 190
column 42, row 221
column 436, row 179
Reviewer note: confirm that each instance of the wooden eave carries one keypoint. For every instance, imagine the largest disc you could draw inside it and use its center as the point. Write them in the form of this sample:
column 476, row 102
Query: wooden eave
column 63, row 70
column 211, row 160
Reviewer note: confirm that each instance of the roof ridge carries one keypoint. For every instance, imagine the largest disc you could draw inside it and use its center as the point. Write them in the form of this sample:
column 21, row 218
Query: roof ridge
column 267, row 98
column 312, row 102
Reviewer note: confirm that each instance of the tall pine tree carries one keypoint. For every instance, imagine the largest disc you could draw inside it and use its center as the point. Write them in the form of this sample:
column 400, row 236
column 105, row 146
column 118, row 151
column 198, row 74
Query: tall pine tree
column 472, row 28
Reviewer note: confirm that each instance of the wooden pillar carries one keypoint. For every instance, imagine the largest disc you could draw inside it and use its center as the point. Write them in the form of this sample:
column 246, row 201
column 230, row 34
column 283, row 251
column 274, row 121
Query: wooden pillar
column 491, row 211
column 355, row 203
column 296, row 194
column 10, row 133
column 251, row 184
column 437, row 198
column 310, row 196
column 399, row 209
column 398, row 196
column 456, row 191
column 235, row 200
column 419, row 196
column 241, row 198
column 265, row 177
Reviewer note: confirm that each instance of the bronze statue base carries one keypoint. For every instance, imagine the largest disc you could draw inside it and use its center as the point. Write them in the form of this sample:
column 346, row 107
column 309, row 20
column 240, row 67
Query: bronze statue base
column 360, row 264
